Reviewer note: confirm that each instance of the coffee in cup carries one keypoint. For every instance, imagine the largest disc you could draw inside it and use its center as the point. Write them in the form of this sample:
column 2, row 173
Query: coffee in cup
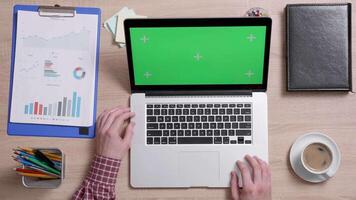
column 317, row 158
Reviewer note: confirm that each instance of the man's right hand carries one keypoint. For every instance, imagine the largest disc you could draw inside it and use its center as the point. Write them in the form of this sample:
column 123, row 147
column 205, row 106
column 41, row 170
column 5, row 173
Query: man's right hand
column 256, row 186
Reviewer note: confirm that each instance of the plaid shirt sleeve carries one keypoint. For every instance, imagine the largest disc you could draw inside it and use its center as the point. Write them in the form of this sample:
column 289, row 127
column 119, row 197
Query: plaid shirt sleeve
column 100, row 181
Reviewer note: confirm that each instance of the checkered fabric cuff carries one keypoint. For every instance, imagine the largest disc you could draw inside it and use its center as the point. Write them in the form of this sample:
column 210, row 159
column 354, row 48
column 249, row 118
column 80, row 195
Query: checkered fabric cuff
column 104, row 170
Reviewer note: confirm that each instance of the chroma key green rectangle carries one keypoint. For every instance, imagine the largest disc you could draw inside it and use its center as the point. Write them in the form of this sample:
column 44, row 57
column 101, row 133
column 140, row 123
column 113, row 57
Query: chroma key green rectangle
column 198, row 55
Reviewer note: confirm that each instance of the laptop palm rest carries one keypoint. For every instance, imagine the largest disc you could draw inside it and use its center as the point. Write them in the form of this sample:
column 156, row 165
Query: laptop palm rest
column 199, row 168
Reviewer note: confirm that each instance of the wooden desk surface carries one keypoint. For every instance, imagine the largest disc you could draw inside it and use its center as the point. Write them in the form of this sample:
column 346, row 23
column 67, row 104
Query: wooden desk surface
column 290, row 114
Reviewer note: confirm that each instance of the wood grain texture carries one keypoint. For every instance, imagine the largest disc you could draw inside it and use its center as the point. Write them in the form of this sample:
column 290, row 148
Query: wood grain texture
column 290, row 114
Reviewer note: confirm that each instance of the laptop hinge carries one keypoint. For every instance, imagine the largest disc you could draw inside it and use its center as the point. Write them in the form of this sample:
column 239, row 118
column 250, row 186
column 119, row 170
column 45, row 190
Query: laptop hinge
column 199, row 93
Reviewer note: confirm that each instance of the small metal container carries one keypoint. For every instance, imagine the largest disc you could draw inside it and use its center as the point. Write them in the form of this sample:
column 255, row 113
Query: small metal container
column 31, row 182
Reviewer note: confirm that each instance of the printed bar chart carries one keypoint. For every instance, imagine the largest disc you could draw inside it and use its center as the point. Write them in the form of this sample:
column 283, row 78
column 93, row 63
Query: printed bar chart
column 64, row 108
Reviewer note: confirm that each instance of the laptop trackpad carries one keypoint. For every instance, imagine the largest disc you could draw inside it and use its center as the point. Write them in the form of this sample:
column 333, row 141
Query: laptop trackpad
column 199, row 168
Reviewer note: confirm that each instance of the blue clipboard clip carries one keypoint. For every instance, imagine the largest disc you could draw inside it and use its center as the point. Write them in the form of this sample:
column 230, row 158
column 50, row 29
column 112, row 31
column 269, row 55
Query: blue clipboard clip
column 44, row 130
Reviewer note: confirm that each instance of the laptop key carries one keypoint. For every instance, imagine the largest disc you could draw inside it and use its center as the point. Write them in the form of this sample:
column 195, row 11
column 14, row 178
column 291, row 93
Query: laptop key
column 240, row 118
column 233, row 118
column 209, row 105
column 239, row 105
column 222, row 111
column 243, row 132
column 178, row 111
column 185, row 111
column 226, row 118
column 191, row 125
column 160, row 119
column 231, row 132
column 209, row 132
column 157, row 111
column 173, row 133
column 196, row 118
column 154, row 133
column 207, row 111
column 151, row 119
column 181, row 118
column 184, row 126
column 195, row 140
column 246, row 111
column 149, row 106
column 245, row 125
column 235, row 125
column 248, row 142
column 180, row 133
column 211, row 118
column 172, row 105
column 164, row 140
column 195, row 133
column 149, row 140
column 167, row 118
column 162, row 126
column 225, row 105
column 164, row 111
column 232, row 105
column 172, row 140
column 175, row 119
column 176, row 125
column 193, row 111
column 214, row 111
column 212, row 125
column 179, row 105
column 157, row 140
column 240, row 140
column 248, row 118
column 201, row 132
column 205, row 125
column 216, row 132
column 195, row 106
column 149, row 112
column 226, row 140
column 201, row 105
column 200, row 111
column 220, row 125
column 187, row 133
column 247, row 105
column 229, row 111
column 232, row 141
column 165, row 132
column 157, row 106
column 217, row 140
column 171, row 111
column 169, row 126
column 218, row 118
column 227, row 125
column 189, row 118
column 198, row 125
column 204, row 118
column 165, row 106
column 152, row 125
column 186, row 105
column 223, row 132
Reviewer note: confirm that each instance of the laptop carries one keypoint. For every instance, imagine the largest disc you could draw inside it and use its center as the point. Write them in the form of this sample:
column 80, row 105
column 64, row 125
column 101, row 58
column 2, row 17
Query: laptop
column 198, row 90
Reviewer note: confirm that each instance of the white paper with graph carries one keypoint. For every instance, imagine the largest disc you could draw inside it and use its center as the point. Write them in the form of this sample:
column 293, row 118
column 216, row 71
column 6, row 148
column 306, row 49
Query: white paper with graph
column 54, row 72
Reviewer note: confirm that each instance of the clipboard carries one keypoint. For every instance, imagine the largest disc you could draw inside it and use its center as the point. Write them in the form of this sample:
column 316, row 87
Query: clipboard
column 46, row 130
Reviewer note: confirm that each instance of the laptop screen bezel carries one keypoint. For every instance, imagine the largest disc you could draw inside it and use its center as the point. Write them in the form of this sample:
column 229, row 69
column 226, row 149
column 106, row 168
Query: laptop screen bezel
column 198, row 22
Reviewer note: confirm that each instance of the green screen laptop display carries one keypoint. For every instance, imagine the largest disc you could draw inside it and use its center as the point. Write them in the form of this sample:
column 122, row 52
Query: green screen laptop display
column 198, row 55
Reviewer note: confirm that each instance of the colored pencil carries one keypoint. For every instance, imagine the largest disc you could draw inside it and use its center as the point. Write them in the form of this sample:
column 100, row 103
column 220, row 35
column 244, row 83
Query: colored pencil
column 36, row 175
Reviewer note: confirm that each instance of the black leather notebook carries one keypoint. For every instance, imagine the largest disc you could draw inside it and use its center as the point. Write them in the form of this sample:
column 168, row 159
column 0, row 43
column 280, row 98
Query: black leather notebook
column 319, row 46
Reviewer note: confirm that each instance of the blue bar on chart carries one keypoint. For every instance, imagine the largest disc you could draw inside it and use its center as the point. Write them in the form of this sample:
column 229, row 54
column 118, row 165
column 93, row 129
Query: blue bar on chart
column 74, row 103
column 78, row 107
column 31, row 109
column 26, row 109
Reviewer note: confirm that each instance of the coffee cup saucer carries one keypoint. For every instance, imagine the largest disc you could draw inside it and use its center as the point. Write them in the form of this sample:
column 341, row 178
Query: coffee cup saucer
column 298, row 147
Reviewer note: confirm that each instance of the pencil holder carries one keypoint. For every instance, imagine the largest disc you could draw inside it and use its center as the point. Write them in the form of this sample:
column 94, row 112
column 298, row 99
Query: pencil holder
column 30, row 182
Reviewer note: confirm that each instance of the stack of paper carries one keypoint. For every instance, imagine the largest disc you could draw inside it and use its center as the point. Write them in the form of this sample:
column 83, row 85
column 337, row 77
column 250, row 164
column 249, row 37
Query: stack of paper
column 115, row 24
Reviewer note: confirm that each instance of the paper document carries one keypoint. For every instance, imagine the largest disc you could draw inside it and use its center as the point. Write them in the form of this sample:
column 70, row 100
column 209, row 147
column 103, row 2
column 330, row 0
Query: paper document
column 55, row 69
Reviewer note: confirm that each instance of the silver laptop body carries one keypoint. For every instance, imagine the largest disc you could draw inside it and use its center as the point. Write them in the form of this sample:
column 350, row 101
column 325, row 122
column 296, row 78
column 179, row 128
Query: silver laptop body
column 191, row 135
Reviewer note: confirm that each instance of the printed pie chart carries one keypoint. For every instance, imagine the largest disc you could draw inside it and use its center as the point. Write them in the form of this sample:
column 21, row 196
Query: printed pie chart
column 78, row 73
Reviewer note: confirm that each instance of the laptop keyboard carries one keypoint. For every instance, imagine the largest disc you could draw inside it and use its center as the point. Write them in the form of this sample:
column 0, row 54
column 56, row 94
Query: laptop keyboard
column 189, row 123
